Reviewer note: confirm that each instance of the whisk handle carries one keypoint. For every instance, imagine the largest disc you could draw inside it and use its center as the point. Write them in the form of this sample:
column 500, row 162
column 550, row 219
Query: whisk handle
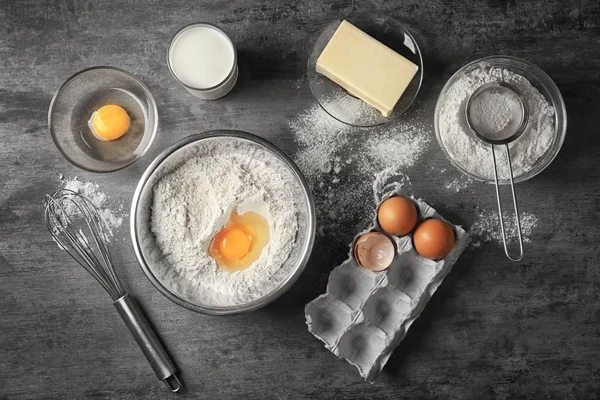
column 144, row 336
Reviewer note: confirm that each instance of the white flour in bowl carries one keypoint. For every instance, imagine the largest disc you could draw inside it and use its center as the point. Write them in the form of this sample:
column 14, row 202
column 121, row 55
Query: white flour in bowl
column 194, row 202
column 474, row 155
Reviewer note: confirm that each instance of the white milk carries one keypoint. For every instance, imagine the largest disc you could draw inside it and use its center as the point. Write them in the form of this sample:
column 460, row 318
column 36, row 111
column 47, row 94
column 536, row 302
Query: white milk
column 202, row 57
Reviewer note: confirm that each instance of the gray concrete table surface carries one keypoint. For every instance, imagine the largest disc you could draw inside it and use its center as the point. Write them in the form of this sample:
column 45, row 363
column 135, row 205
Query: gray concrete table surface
column 493, row 330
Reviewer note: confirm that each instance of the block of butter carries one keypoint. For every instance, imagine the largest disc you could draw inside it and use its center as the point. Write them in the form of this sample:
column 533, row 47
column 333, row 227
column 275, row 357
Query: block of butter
column 366, row 68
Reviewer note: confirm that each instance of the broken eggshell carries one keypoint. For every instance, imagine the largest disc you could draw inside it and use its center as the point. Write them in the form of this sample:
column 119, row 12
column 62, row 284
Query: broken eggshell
column 374, row 251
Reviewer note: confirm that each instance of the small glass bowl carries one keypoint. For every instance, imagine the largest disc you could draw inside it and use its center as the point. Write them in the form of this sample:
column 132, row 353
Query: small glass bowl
column 85, row 92
column 349, row 109
column 542, row 82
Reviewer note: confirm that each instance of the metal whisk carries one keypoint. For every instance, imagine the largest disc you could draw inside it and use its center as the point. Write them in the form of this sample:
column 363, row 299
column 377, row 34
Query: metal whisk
column 76, row 225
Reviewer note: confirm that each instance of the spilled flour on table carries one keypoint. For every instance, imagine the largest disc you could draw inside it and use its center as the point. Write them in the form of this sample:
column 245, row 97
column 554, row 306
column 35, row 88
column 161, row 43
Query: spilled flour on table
column 320, row 137
column 486, row 228
column 324, row 147
column 352, row 109
column 323, row 141
column 112, row 214
column 457, row 185
column 389, row 180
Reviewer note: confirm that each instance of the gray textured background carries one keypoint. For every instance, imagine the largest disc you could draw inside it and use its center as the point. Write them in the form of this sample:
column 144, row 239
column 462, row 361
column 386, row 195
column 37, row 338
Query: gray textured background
column 493, row 330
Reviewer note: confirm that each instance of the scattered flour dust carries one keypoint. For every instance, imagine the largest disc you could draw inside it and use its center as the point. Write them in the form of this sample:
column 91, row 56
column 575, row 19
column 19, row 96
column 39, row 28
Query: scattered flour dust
column 320, row 137
column 195, row 201
column 324, row 146
column 396, row 146
column 456, row 185
column 91, row 190
column 323, row 139
column 352, row 109
column 486, row 228
column 389, row 180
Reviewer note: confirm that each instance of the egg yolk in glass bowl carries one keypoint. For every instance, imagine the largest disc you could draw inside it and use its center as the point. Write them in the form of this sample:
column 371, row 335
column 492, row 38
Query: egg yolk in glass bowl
column 109, row 122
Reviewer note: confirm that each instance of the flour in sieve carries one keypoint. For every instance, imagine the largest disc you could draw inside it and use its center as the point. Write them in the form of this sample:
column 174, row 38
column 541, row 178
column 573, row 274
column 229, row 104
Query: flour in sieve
column 493, row 110
column 194, row 202
column 475, row 156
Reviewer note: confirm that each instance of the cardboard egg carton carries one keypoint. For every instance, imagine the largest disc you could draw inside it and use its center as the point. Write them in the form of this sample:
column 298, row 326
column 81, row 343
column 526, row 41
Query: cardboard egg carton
column 364, row 315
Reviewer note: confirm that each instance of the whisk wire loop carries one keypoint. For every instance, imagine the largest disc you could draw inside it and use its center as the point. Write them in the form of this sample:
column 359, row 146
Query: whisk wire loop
column 76, row 225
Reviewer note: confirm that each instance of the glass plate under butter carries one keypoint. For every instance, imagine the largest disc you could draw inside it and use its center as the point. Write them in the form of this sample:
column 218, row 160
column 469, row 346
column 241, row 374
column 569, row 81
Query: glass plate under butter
column 342, row 105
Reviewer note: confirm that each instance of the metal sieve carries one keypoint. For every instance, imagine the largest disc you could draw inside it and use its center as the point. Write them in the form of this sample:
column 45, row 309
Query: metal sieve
column 499, row 136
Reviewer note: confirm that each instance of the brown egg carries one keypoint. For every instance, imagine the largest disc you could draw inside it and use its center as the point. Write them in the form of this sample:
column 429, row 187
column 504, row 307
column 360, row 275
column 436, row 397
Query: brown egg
column 397, row 215
column 434, row 239
column 374, row 251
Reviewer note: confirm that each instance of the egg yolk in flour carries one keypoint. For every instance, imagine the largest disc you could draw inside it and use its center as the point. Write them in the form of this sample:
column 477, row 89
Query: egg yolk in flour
column 239, row 243
column 109, row 122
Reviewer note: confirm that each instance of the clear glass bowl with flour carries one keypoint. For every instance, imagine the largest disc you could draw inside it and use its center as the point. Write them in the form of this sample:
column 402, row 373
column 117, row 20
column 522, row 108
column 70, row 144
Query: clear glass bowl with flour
column 532, row 152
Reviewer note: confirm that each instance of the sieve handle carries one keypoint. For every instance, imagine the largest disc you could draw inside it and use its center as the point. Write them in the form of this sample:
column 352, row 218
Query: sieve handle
column 514, row 196
column 144, row 336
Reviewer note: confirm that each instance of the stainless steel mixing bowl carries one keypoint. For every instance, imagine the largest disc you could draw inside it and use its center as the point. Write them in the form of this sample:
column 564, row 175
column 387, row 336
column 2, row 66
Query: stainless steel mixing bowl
column 158, row 269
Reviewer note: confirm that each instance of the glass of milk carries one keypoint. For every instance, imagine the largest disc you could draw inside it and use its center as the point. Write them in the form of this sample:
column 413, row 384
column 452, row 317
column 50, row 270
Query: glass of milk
column 203, row 58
